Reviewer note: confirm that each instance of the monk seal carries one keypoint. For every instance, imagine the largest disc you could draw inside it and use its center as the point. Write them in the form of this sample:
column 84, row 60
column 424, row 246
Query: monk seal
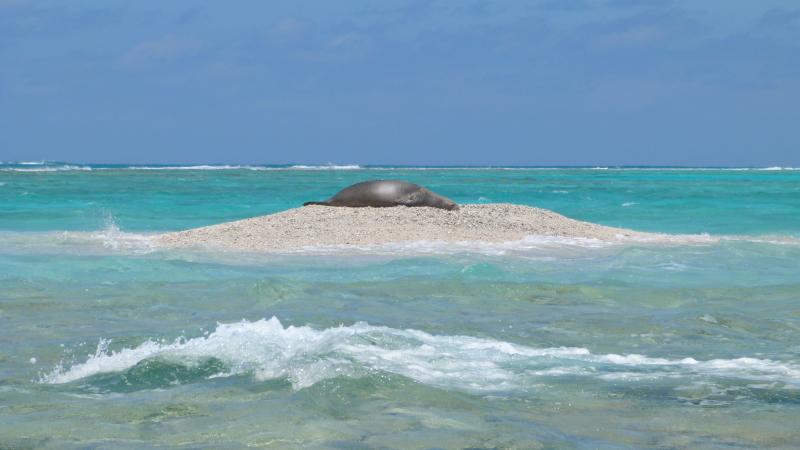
column 384, row 193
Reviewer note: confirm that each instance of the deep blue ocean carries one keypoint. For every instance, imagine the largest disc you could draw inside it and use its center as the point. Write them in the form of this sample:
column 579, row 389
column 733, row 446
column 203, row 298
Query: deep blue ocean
column 108, row 342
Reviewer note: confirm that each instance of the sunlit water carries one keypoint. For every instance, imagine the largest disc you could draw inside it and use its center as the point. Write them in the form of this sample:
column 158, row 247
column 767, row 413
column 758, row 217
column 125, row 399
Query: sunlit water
column 108, row 342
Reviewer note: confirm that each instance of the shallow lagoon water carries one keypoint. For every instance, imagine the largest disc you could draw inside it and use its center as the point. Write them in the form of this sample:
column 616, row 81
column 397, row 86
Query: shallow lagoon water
column 108, row 342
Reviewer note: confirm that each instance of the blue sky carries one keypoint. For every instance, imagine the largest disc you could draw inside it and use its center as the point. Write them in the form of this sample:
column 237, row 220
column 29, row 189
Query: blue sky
column 538, row 82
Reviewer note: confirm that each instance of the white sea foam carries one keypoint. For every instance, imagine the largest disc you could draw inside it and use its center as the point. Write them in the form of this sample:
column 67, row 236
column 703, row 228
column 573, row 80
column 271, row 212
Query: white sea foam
column 671, row 239
column 764, row 239
column 35, row 168
column 194, row 167
column 265, row 349
column 536, row 245
column 775, row 168
column 709, row 239
column 238, row 167
column 327, row 167
column 526, row 246
column 110, row 238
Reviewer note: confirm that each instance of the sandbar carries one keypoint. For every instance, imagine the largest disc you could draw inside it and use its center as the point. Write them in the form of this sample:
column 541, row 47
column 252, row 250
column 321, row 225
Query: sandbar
column 320, row 226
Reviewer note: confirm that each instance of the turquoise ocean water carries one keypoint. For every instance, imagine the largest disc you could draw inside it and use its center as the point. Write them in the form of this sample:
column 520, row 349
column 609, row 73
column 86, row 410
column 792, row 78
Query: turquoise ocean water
column 107, row 342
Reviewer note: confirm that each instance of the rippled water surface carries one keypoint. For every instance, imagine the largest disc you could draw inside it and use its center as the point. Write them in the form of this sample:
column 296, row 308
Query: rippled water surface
column 108, row 342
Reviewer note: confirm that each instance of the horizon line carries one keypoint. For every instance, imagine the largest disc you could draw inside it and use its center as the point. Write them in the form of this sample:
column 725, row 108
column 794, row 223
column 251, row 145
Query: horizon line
column 299, row 165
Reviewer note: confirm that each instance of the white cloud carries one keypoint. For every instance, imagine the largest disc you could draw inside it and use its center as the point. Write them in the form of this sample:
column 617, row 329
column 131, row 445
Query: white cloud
column 166, row 48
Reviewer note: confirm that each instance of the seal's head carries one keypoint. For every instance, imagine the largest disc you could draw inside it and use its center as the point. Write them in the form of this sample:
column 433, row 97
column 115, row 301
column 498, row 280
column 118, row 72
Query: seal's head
column 438, row 201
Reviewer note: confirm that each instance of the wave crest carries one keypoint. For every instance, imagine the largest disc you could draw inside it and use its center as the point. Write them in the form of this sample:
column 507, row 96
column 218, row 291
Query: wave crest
column 304, row 356
column 42, row 167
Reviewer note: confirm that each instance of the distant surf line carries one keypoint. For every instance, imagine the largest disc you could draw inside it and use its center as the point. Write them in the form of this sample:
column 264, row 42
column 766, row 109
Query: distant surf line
column 44, row 166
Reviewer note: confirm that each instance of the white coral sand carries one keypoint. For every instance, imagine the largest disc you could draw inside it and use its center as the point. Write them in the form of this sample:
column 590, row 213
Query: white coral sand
column 328, row 226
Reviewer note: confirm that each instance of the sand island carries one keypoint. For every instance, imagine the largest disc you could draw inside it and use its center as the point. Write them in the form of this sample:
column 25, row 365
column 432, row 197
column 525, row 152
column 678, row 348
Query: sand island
column 329, row 226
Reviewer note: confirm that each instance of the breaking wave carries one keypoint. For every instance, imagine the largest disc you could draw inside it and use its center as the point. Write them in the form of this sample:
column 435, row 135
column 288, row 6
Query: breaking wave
column 196, row 167
column 110, row 238
column 239, row 167
column 304, row 356
column 42, row 167
column 327, row 167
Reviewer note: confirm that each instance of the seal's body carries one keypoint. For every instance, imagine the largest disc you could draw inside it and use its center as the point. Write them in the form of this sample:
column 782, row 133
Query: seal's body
column 384, row 193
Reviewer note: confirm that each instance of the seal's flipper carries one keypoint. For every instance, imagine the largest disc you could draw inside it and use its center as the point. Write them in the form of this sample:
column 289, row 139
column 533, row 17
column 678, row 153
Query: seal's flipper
column 316, row 203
